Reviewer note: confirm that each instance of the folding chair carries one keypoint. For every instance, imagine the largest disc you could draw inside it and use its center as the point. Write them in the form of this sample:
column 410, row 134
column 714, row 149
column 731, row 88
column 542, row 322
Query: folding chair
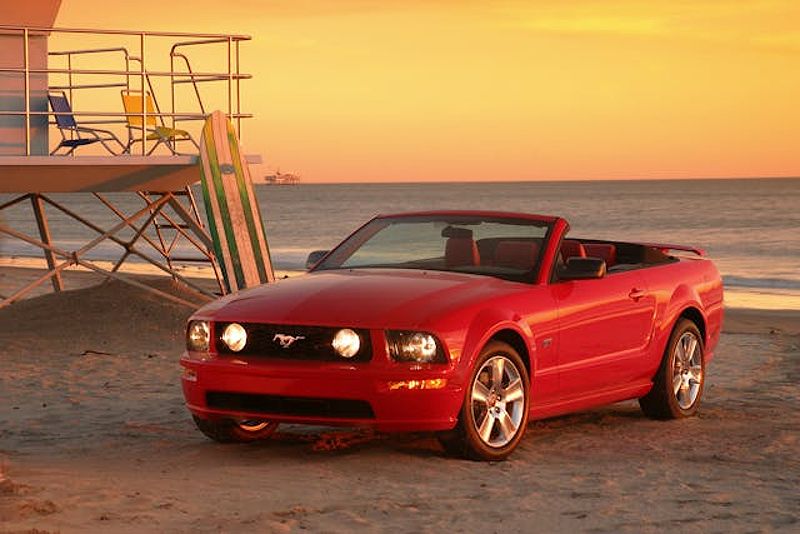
column 156, row 130
column 67, row 124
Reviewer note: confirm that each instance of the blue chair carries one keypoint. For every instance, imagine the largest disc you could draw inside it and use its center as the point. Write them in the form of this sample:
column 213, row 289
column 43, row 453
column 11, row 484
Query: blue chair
column 71, row 133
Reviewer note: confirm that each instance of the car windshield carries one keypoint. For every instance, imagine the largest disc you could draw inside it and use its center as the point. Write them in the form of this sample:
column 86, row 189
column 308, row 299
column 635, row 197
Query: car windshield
column 503, row 247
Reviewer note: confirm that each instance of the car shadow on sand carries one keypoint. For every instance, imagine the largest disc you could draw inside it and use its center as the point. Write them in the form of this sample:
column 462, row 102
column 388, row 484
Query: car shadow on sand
column 292, row 440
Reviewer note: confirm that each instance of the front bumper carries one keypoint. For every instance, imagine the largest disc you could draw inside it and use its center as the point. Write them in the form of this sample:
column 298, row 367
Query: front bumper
column 283, row 386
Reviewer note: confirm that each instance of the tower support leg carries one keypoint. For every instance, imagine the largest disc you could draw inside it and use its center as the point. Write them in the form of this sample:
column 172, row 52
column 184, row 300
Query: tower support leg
column 44, row 233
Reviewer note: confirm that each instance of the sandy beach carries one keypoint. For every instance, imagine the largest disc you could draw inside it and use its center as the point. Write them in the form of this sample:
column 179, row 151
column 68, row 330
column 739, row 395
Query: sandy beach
column 614, row 159
column 94, row 437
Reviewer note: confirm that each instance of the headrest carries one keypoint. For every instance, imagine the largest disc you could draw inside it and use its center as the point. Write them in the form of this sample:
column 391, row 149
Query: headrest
column 571, row 248
column 455, row 231
column 606, row 251
column 461, row 251
column 516, row 254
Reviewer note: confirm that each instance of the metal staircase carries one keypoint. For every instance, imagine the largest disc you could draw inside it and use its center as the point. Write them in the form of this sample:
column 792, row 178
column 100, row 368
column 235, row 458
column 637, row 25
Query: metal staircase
column 170, row 232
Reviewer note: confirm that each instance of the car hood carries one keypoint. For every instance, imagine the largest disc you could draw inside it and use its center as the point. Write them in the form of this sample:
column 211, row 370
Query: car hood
column 367, row 298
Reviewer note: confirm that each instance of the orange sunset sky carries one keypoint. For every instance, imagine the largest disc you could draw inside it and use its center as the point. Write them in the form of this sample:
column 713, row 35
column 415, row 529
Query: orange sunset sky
column 358, row 90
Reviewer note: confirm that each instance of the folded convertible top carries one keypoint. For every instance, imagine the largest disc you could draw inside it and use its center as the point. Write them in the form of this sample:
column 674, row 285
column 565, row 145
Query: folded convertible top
column 665, row 248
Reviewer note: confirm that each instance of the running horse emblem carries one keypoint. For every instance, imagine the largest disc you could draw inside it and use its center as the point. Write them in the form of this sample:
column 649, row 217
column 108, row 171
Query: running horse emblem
column 286, row 340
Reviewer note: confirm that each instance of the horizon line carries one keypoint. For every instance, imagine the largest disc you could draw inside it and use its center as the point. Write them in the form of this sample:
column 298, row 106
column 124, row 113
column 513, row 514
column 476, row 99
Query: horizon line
column 549, row 180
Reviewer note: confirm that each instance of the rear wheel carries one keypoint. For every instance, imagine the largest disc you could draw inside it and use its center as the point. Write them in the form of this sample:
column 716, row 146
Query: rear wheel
column 236, row 431
column 678, row 385
column 494, row 415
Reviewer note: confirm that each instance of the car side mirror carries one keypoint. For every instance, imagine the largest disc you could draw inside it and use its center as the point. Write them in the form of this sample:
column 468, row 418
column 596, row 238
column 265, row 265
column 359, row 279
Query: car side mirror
column 583, row 269
column 314, row 258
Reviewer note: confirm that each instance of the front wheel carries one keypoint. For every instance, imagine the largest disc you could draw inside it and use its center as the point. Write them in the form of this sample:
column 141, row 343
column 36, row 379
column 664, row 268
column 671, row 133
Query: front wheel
column 678, row 385
column 494, row 415
column 232, row 431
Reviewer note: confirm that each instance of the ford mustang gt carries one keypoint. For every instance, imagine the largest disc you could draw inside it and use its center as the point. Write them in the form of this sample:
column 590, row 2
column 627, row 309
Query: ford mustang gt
column 463, row 323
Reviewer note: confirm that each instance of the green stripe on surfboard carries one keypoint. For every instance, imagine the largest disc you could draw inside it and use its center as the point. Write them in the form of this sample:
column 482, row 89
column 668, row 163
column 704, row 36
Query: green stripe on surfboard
column 212, row 227
column 222, row 204
column 225, row 217
column 249, row 216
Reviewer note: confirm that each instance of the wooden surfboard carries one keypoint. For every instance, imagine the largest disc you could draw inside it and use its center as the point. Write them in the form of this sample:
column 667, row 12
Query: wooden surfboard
column 234, row 218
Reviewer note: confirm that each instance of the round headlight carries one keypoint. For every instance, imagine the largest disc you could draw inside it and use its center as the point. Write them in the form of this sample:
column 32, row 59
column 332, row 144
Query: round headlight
column 235, row 337
column 346, row 343
column 197, row 336
column 422, row 346
column 411, row 346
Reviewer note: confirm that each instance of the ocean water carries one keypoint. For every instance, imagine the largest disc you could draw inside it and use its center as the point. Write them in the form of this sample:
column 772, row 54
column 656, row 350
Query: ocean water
column 750, row 228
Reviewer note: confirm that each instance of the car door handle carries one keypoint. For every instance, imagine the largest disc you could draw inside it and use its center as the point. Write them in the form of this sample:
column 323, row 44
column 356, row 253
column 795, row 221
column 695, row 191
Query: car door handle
column 636, row 294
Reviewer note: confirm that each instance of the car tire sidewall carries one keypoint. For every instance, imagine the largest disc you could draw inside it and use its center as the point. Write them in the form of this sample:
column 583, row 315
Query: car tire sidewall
column 475, row 446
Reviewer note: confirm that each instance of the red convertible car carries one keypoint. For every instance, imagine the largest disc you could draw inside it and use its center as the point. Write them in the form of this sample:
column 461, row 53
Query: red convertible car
column 464, row 323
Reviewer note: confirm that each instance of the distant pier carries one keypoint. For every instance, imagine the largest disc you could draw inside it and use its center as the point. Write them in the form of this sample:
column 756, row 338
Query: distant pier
column 280, row 178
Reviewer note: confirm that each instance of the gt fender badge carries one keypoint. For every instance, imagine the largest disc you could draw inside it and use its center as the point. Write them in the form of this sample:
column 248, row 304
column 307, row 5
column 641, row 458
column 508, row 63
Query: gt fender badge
column 285, row 340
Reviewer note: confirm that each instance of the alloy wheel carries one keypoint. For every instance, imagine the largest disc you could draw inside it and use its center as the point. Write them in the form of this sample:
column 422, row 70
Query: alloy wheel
column 687, row 370
column 498, row 401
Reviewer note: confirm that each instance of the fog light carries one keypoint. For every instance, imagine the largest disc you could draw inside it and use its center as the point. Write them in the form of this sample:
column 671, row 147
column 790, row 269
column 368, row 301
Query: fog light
column 432, row 383
column 235, row 337
column 346, row 343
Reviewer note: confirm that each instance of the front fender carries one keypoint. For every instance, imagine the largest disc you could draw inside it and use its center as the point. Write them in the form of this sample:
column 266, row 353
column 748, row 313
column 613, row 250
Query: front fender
column 486, row 324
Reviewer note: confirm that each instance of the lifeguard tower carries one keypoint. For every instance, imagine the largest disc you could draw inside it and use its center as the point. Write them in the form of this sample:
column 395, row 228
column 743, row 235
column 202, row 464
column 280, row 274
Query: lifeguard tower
column 106, row 112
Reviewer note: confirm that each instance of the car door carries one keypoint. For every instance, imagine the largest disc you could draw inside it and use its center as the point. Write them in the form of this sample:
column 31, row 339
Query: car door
column 604, row 327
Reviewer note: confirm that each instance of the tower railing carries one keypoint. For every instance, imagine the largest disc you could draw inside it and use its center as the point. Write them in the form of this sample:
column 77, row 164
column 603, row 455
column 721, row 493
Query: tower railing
column 135, row 71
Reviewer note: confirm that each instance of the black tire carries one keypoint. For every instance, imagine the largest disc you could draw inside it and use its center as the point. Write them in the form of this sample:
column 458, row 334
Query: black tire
column 230, row 431
column 664, row 399
column 465, row 439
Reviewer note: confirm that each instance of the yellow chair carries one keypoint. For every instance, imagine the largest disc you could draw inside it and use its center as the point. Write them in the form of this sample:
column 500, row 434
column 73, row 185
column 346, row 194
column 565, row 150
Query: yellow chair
column 156, row 131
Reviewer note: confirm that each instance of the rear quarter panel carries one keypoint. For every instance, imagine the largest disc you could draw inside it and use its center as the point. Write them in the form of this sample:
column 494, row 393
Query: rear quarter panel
column 677, row 287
